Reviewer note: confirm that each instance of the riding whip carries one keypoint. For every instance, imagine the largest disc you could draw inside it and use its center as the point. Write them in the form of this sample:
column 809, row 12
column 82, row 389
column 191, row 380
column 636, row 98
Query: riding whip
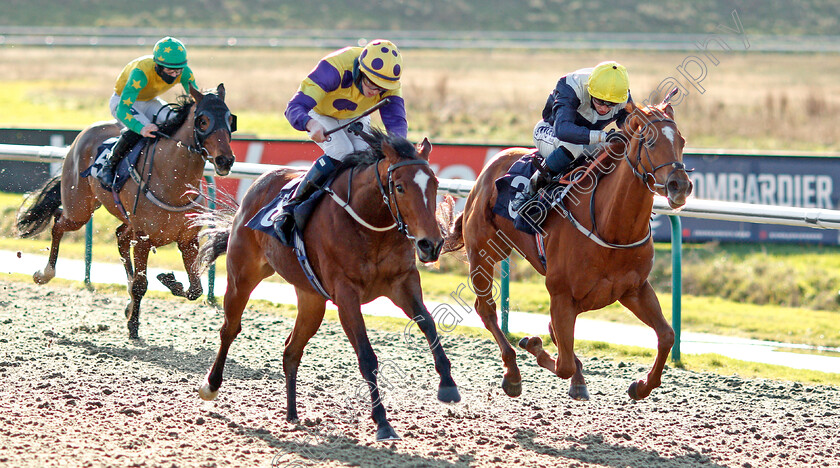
column 364, row 114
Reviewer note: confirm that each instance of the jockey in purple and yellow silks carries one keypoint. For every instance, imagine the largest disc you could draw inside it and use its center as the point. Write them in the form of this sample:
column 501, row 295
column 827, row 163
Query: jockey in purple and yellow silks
column 135, row 102
column 342, row 86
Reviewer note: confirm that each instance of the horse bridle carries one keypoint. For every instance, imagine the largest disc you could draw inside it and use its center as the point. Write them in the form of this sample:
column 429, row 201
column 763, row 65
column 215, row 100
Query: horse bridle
column 389, row 195
column 646, row 177
column 650, row 176
column 210, row 111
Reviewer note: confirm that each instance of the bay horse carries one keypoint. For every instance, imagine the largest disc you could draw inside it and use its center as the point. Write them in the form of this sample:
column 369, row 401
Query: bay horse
column 597, row 253
column 155, row 211
column 361, row 246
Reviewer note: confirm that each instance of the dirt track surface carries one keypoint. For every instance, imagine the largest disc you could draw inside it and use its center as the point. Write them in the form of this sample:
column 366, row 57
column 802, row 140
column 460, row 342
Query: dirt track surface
column 74, row 391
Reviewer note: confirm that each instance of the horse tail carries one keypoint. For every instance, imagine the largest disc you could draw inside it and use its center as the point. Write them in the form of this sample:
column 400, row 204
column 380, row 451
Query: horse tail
column 451, row 226
column 218, row 224
column 213, row 248
column 39, row 208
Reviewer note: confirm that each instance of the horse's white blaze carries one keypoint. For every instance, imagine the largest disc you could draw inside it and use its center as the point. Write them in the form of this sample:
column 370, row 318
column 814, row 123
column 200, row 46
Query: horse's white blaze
column 669, row 134
column 422, row 181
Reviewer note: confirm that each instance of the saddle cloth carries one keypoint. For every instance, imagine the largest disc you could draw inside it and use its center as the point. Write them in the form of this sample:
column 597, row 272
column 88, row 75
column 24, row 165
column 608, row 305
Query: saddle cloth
column 123, row 170
column 512, row 187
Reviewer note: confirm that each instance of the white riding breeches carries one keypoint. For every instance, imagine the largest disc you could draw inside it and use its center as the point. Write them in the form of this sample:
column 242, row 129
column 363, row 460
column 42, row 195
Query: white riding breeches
column 144, row 111
column 341, row 143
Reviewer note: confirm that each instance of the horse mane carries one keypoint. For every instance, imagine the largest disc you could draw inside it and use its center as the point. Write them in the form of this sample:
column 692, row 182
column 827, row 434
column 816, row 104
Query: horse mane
column 181, row 108
column 404, row 149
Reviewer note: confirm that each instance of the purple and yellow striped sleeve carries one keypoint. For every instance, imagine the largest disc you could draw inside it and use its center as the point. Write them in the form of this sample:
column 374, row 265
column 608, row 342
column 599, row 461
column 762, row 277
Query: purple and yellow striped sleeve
column 323, row 79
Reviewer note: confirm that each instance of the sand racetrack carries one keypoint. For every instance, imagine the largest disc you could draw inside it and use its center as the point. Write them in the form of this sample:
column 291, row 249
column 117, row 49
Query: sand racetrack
column 74, row 391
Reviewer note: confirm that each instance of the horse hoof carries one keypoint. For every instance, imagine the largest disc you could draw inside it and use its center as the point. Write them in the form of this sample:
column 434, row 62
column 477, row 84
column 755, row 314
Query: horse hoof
column 449, row 394
column 579, row 392
column 633, row 391
column 511, row 389
column 386, row 433
column 205, row 393
column 42, row 278
column 523, row 342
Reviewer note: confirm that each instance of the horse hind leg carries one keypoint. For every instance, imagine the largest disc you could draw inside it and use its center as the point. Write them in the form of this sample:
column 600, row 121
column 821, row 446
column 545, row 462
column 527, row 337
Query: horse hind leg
column 244, row 273
column 61, row 225
column 310, row 314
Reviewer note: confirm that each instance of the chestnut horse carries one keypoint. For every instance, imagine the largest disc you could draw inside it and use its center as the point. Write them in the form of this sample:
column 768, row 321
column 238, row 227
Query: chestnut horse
column 154, row 212
column 599, row 253
column 360, row 249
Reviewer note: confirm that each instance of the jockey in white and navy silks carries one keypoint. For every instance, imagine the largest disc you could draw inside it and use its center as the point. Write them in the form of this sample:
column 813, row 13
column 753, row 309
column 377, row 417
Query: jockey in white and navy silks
column 342, row 86
column 582, row 104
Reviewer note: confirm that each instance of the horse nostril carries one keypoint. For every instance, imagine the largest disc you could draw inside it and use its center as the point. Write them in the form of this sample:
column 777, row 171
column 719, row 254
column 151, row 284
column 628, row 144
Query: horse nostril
column 424, row 245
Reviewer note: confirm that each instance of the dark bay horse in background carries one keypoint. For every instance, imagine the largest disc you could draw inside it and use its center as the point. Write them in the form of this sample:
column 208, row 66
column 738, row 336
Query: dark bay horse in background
column 154, row 212
column 361, row 246
column 605, row 258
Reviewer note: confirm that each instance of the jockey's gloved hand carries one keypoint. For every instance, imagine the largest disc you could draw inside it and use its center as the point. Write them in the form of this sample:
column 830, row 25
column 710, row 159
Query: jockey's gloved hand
column 614, row 135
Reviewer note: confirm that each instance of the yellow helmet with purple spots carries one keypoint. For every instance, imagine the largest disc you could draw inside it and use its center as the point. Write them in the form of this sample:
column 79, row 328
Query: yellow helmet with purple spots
column 381, row 62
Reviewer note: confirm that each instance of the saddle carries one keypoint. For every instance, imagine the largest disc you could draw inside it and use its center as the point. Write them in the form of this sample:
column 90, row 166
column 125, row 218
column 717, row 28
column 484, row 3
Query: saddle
column 123, row 169
column 512, row 188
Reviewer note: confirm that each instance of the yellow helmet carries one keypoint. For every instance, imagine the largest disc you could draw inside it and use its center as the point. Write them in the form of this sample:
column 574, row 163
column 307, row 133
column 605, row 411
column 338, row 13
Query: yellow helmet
column 609, row 82
column 381, row 63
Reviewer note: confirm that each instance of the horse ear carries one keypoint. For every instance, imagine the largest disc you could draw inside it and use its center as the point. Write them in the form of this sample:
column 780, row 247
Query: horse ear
column 220, row 91
column 195, row 93
column 424, row 148
column 669, row 111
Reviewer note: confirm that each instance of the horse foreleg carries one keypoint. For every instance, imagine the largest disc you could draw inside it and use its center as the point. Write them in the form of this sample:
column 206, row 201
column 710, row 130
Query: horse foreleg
column 124, row 237
column 481, row 276
column 645, row 305
column 189, row 252
column 245, row 270
column 409, row 297
column 138, row 284
column 350, row 315
column 60, row 226
column 310, row 314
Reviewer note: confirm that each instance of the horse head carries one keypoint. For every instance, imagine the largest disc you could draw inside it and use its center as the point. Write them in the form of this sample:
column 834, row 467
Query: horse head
column 655, row 151
column 213, row 125
column 412, row 194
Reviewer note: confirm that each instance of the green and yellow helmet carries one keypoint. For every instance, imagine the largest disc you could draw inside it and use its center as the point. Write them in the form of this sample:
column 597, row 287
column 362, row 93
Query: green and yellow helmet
column 609, row 82
column 381, row 62
column 170, row 53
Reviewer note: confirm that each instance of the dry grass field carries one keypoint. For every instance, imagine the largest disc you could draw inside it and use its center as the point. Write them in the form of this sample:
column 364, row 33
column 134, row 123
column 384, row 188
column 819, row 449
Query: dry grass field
column 750, row 100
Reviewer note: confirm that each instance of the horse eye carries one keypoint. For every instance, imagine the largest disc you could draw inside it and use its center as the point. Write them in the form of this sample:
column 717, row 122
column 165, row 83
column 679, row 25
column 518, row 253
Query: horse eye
column 400, row 189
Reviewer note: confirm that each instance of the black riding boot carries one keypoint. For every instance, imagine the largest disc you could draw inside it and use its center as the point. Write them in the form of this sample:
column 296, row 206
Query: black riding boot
column 317, row 175
column 126, row 141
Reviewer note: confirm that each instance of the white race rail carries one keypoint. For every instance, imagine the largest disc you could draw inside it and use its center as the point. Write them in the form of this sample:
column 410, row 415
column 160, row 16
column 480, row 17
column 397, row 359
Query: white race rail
column 709, row 209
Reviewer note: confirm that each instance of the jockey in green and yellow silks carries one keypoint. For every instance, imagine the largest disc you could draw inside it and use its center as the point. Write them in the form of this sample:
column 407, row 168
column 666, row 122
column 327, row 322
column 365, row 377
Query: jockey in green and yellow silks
column 136, row 103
